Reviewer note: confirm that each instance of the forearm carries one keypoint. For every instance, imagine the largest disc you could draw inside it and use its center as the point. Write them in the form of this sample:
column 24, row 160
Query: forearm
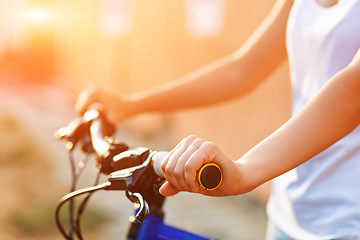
column 328, row 117
column 232, row 76
column 214, row 83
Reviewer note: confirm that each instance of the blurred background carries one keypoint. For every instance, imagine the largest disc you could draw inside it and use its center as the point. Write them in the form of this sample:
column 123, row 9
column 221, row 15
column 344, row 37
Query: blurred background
column 51, row 49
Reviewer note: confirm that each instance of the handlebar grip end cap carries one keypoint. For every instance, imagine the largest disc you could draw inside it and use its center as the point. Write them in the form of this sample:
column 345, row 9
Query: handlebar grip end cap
column 210, row 176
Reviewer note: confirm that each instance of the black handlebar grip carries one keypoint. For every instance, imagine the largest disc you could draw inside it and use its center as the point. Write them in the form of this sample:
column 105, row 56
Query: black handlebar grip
column 209, row 176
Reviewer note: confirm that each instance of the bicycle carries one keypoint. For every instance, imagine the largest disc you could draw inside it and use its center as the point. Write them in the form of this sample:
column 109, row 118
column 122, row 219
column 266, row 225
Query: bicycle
column 135, row 171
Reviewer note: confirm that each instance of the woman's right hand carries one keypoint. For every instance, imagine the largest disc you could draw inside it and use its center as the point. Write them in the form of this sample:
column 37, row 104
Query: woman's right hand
column 115, row 106
column 182, row 163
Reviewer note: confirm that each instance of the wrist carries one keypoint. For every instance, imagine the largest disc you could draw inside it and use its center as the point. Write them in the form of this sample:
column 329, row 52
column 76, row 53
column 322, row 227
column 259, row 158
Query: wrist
column 129, row 106
column 250, row 176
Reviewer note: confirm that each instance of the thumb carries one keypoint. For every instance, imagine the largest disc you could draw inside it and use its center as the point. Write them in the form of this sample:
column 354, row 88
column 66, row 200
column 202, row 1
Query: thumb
column 168, row 190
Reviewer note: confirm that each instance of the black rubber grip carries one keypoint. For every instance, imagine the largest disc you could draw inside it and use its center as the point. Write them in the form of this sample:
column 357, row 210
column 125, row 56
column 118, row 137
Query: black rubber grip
column 209, row 176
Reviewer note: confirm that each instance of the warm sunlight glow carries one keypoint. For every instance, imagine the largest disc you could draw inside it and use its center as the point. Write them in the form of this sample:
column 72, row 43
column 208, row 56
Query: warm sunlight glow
column 38, row 15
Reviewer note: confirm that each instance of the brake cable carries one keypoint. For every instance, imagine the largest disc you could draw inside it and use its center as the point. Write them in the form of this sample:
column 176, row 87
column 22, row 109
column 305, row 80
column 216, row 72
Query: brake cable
column 69, row 197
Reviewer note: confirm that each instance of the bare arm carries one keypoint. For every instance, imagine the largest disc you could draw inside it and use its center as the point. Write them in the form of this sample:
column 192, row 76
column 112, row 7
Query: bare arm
column 330, row 115
column 229, row 77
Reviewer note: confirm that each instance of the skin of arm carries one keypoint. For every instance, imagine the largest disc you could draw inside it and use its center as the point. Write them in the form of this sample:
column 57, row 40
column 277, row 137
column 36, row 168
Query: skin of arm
column 330, row 115
column 229, row 77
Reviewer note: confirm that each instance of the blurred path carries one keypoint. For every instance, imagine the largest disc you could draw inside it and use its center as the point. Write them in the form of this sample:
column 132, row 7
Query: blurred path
column 44, row 109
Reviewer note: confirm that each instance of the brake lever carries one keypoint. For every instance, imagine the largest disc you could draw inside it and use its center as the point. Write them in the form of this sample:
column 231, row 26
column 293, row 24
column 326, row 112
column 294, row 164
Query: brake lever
column 75, row 131
column 143, row 211
column 140, row 182
column 126, row 178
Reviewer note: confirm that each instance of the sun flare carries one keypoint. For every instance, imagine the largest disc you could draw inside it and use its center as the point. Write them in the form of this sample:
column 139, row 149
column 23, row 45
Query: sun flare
column 38, row 15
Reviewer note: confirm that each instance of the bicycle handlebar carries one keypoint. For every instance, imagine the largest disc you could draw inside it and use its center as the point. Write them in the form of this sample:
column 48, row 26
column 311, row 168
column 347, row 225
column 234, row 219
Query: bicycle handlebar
column 209, row 176
column 136, row 171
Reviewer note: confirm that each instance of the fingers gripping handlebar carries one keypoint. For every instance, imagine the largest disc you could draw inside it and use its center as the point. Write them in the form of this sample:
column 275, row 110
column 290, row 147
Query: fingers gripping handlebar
column 209, row 176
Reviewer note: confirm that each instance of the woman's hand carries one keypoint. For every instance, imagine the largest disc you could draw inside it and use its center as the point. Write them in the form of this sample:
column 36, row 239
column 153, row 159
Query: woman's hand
column 183, row 162
column 115, row 107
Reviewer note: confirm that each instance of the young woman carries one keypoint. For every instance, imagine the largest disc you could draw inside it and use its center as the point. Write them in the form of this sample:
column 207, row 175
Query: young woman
column 314, row 158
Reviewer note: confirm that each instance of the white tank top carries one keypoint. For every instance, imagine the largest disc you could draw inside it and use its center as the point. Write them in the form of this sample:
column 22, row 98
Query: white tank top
column 321, row 198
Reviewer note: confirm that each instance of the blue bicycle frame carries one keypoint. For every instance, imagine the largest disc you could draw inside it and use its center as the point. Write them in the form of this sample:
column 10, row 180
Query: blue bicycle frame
column 154, row 228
